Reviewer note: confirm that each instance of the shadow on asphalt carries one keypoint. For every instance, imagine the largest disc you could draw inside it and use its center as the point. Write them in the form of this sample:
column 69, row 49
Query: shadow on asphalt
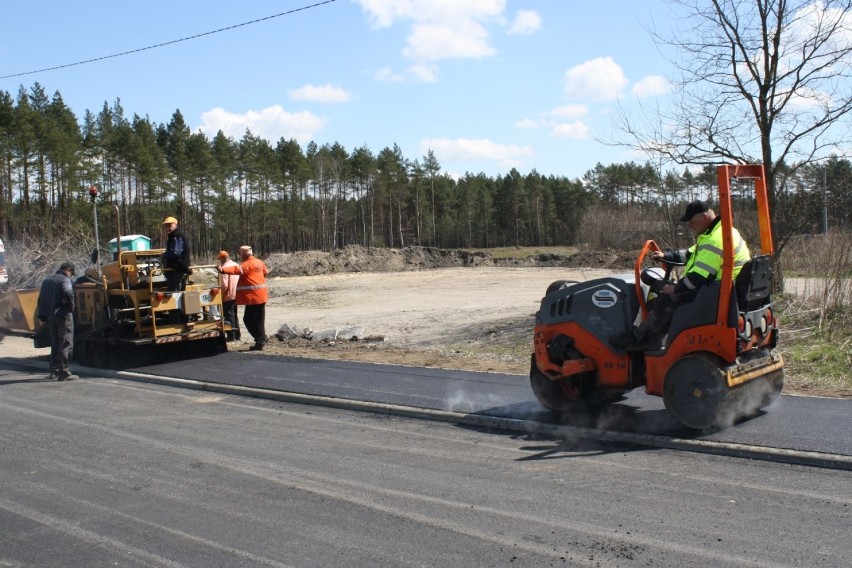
column 618, row 417
column 621, row 417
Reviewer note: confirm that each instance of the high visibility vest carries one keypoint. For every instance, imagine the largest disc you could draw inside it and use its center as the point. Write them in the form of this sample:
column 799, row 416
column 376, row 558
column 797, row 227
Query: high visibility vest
column 705, row 258
column 251, row 287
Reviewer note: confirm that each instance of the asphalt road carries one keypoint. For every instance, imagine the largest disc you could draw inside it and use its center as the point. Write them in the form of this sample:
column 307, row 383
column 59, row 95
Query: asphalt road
column 794, row 423
column 102, row 472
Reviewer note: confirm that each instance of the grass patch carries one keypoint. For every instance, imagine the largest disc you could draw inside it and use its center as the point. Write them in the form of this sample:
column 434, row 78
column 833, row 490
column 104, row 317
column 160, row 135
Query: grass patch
column 817, row 348
column 817, row 368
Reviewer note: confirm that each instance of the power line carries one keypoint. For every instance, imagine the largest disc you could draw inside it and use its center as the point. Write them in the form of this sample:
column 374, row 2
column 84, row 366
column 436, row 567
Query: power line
column 170, row 42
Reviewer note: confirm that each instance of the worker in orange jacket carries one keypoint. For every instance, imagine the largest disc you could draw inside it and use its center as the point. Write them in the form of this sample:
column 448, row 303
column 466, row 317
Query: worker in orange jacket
column 251, row 293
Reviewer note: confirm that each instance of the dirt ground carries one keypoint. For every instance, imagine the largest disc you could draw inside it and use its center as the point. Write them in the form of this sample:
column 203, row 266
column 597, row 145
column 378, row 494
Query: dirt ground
column 478, row 319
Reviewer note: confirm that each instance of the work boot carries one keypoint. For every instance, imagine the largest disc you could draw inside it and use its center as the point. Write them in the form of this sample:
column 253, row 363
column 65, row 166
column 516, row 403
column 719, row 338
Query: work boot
column 256, row 347
column 67, row 377
column 622, row 340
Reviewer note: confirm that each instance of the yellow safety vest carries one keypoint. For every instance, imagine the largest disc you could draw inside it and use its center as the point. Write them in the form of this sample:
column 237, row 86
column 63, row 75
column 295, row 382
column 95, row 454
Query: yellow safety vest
column 705, row 257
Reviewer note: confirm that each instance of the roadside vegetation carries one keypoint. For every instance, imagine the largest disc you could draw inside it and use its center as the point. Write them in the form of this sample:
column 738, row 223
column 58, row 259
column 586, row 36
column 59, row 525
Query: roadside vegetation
column 816, row 314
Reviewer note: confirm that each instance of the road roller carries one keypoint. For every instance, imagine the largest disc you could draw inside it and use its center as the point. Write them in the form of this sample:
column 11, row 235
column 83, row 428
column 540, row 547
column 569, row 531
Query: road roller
column 717, row 364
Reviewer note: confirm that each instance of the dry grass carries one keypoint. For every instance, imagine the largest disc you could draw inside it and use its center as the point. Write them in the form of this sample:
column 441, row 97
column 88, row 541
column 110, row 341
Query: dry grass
column 816, row 319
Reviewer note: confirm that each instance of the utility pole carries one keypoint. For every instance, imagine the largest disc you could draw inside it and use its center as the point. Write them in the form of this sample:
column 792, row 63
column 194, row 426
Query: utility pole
column 824, row 200
column 93, row 194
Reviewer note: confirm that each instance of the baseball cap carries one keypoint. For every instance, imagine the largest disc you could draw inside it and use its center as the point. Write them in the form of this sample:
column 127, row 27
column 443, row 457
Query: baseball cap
column 693, row 209
column 169, row 220
column 223, row 254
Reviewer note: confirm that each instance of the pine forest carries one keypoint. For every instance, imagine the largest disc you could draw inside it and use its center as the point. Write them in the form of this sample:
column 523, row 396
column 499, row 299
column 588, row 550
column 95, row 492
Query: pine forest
column 283, row 197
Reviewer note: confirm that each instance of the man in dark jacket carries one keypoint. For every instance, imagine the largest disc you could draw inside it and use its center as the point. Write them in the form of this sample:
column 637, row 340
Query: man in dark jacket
column 176, row 256
column 55, row 310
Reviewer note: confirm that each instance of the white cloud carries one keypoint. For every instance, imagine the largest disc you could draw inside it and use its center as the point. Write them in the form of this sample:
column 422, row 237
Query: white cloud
column 528, row 123
column 576, row 130
column 805, row 99
column 419, row 73
column 651, row 86
column 327, row 93
column 820, row 14
column 598, row 79
column 552, row 118
column 526, row 22
column 423, row 73
column 384, row 13
column 569, row 111
column 270, row 123
column 476, row 149
column 440, row 29
column 464, row 39
column 387, row 75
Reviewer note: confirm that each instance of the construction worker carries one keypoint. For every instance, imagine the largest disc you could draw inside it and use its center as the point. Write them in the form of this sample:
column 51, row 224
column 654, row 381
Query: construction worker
column 229, row 296
column 702, row 264
column 251, row 293
column 176, row 256
column 56, row 310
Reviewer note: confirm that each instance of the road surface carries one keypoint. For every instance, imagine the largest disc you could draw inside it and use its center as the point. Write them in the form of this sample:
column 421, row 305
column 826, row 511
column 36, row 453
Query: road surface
column 104, row 471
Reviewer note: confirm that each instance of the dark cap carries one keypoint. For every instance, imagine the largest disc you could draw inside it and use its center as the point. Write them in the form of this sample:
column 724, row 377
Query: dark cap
column 67, row 266
column 694, row 209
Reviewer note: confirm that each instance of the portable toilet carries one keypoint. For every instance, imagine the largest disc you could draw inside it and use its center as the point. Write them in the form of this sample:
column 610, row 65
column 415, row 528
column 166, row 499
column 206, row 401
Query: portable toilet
column 130, row 242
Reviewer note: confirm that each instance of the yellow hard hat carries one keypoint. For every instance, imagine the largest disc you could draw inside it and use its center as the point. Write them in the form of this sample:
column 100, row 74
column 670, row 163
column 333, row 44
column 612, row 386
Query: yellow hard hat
column 169, row 220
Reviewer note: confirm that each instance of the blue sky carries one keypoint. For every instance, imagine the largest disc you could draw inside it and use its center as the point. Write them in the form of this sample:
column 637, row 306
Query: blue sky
column 486, row 84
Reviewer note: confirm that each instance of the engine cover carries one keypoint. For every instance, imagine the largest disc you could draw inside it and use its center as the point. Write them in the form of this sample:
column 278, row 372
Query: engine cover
column 603, row 307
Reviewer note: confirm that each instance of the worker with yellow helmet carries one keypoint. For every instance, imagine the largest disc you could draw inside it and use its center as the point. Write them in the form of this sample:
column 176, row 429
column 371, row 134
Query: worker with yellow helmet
column 176, row 257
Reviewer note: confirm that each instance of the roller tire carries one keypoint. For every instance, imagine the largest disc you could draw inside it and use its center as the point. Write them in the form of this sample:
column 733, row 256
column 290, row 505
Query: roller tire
column 695, row 391
column 552, row 395
column 697, row 395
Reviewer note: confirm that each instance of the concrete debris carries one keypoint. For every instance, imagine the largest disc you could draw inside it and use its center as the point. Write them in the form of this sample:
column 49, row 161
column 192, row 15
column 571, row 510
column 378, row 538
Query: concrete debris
column 350, row 333
column 328, row 335
column 285, row 333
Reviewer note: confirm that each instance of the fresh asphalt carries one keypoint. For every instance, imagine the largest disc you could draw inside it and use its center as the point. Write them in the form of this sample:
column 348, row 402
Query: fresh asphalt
column 817, row 431
column 793, row 423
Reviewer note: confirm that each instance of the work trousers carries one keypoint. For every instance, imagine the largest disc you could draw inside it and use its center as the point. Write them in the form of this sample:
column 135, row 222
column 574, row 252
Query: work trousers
column 230, row 315
column 61, row 330
column 254, row 318
column 175, row 281
column 660, row 317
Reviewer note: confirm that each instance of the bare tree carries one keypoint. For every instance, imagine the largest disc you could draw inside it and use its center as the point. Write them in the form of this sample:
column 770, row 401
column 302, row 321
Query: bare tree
column 757, row 80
